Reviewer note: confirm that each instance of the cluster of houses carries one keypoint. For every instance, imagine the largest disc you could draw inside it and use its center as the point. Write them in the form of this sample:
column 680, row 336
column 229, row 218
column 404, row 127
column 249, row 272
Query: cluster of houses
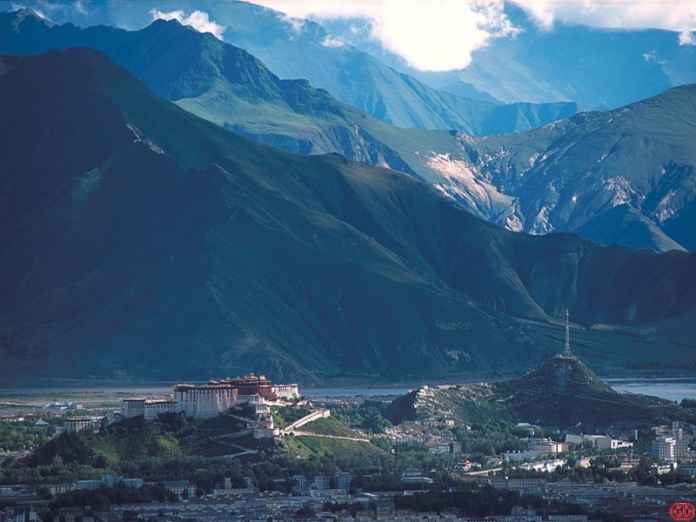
column 544, row 447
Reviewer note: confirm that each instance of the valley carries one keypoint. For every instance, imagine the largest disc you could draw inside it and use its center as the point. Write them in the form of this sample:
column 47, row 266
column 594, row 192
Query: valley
column 347, row 260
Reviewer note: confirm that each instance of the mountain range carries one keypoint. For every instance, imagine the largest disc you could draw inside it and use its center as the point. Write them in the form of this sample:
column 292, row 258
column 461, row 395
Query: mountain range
column 230, row 87
column 351, row 76
column 598, row 68
column 594, row 67
column 526, row 181
column 565, row 175
column 148, row 242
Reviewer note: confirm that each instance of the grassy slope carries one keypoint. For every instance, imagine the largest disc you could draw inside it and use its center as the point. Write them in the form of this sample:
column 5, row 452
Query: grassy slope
column 305, row 446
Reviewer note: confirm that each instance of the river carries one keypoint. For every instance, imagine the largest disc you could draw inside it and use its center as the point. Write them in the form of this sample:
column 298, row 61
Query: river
column 673, row 389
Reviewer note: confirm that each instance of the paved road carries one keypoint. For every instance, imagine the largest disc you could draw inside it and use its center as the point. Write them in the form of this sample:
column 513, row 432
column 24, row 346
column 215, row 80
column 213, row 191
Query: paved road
column 324, row 436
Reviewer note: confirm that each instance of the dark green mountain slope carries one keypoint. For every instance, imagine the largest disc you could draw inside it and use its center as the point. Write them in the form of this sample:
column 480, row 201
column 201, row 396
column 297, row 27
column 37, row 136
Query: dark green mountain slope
column 683, row 225
column 217, row 81
column 626, row 226
column 146, row 241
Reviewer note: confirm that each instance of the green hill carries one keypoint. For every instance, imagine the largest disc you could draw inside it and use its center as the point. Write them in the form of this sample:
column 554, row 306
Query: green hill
column 333, row 439
column 135, row 440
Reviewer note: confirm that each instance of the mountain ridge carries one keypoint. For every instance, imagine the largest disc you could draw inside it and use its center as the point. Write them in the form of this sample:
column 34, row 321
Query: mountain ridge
column 146, row 243
column 563, row 175
column 417, row 105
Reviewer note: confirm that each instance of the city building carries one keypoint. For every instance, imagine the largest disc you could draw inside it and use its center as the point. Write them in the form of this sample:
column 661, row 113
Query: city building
column 522, row 455
column 576, row 440
column 286, row 391
column 604, row 442
column 343, row 480
column 213, row 398
column 77, row 424
column 300, row 482
column 112, row 481
column 150, row 409
column 206, row 400
column 687, row 470
column 547, row 466
column 546, row 446
column 181, row 488
column 19, row 514
column 681, row 439
column 415, row 477
column 16, row 490
column 264, row 427
column 664, row 448
column 321, row 483
column 250, row 384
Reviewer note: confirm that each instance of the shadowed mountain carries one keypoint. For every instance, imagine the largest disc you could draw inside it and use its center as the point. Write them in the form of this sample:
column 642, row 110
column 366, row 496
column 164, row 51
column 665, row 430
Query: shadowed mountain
column 682, row 226
column 214, row 80
column 626, row 226
column 149, row 242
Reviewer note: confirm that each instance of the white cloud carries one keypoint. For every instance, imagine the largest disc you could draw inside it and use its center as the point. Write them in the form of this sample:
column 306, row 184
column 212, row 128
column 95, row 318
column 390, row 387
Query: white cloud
column 199, row 20
column 674, row 15
column 296, row 24
column 429, row 34
column 442, row 34
column 687, row 38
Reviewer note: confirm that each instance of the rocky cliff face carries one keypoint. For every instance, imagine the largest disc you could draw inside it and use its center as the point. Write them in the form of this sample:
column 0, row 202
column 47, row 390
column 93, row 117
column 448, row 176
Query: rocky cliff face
column 562, row 176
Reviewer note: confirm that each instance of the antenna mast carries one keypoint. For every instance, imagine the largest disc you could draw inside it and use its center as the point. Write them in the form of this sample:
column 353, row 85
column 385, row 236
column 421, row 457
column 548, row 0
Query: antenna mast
column 566, row 347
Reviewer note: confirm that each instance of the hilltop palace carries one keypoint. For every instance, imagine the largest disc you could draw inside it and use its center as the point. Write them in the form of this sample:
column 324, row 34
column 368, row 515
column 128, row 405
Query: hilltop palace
column 214, row 398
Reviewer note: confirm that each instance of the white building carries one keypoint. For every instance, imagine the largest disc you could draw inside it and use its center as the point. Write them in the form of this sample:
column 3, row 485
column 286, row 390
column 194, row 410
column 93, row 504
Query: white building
column 77, row 424
column 203, row 401
column 547, row 466
column 150, row 409
column 286, row 391
column 681, row 439
column 211, row 399
column 576, row 440
column 546, row 446
column 521, row 456
column 664, row 448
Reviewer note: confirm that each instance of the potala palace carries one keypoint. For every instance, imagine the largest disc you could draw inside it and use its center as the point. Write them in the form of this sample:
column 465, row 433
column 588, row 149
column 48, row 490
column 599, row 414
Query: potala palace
column 214, row 398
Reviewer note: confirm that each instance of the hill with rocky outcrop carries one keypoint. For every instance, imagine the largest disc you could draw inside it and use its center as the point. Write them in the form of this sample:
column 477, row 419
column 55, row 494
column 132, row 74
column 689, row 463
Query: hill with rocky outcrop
column 563, row 392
